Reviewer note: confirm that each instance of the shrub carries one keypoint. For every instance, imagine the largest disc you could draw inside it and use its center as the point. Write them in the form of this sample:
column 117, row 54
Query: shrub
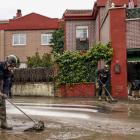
column 36, row 61
column 75, row 67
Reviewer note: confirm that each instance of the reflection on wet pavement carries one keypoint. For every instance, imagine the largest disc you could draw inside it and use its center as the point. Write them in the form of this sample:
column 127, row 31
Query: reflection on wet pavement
column 84, row 108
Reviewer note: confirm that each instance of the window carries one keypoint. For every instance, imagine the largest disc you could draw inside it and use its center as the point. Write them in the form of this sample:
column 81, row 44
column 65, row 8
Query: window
column 46, row 38
column 82, row 42
column 19, row 39
column 81, row 31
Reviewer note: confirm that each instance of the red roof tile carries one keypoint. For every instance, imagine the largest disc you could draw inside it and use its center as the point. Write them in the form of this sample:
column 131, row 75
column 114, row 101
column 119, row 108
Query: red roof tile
column 78, row 12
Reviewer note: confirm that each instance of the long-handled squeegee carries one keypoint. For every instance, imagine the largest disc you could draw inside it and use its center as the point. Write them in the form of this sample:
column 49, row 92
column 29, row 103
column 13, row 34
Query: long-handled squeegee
column 112, row 100
column 37, row 126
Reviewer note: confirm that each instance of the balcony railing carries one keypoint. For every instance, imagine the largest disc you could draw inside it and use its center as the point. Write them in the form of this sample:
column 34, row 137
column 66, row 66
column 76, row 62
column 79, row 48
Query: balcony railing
column 132, row 13
column 82, row 44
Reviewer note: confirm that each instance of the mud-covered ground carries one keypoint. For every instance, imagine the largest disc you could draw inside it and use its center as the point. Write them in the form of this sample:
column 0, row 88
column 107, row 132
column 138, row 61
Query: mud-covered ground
column 73, row 119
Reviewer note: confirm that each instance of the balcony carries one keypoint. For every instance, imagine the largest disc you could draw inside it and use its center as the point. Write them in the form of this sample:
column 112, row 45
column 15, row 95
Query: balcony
column 132, row 13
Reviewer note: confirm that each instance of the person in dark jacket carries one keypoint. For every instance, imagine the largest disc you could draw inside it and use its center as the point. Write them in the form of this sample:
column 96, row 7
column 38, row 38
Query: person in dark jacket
column 5, row 75
column 10, row 86
column 103, row 75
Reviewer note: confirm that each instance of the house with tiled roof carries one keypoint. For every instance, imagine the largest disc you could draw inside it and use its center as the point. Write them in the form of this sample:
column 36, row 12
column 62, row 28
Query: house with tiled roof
column 115, row 20
column 25, row 35
column 79, row 24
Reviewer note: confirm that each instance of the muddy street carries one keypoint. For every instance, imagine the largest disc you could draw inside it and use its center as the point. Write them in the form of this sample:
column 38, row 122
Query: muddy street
column 73, row 119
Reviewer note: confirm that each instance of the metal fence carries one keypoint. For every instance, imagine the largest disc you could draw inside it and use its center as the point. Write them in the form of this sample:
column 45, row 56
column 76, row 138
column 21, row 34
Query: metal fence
column 24, row 75
column 132, row 13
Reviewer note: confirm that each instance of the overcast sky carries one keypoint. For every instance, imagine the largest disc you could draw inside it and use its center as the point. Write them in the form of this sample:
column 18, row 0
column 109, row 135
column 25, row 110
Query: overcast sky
column 48, row 8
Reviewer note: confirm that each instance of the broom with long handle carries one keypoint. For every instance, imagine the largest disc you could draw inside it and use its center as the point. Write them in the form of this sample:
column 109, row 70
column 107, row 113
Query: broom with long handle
column 112, row 100
column 37, row 126
column 18, row 108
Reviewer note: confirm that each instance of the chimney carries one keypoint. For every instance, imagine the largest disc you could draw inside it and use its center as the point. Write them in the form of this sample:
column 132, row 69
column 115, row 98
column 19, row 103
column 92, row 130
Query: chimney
column 19, row 13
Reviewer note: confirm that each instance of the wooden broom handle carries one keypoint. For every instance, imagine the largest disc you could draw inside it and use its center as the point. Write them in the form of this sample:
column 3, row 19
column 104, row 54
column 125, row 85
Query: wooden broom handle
column 18, row 108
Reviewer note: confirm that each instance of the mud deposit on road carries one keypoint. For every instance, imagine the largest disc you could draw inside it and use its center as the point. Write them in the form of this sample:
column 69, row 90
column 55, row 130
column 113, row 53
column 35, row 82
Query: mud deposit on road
column 61, row 130
column 119, row 121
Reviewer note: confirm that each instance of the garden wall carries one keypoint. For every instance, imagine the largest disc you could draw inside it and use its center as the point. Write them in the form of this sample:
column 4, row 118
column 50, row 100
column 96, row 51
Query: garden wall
column 78, row 90
column 33, row 89
column 33, row 82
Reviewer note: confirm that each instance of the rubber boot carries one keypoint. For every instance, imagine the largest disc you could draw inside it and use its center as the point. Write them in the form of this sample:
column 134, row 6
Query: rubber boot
column 99, row 99
column 3, row 118
column 106, row 98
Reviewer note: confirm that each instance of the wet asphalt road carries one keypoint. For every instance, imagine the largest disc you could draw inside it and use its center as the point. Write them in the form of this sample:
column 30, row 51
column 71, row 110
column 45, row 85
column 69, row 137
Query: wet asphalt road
column 73, row 119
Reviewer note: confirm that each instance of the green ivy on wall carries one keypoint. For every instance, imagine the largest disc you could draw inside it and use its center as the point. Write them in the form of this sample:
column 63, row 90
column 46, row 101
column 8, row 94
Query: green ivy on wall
column 75, row 67
column 58, row 40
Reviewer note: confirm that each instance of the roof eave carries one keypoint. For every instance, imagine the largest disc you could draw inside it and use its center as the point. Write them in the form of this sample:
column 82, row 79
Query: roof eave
column 90, row 17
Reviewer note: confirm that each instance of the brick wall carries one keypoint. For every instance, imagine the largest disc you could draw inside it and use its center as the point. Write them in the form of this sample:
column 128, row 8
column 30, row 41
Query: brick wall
column 104, row 31
column 71, row 32
column 138, row 3
column 101, row 13
column 132, row 34
column 2, row 56
column 104, row 35
column 97, row 30
column 33, row 43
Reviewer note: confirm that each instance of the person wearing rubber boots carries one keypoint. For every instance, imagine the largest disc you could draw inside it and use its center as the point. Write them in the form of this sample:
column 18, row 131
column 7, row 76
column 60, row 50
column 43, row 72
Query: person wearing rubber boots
column 103, row 75
column 5, row 75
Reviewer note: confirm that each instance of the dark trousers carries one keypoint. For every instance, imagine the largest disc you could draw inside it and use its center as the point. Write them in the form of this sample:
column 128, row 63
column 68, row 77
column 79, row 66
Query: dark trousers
column 10, row 94
column 3, row 117
column 100, row 89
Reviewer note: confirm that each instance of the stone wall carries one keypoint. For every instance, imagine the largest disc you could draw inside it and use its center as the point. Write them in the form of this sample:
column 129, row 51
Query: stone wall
column 36, row 89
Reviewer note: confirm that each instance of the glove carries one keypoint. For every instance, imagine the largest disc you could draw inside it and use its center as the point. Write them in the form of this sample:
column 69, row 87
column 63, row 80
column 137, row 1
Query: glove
column 104, row 85
column 4, row 96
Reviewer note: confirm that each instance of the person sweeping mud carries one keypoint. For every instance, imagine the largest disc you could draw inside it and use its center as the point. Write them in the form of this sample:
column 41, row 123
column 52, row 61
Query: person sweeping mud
column 103, row 75
column 5, row 75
